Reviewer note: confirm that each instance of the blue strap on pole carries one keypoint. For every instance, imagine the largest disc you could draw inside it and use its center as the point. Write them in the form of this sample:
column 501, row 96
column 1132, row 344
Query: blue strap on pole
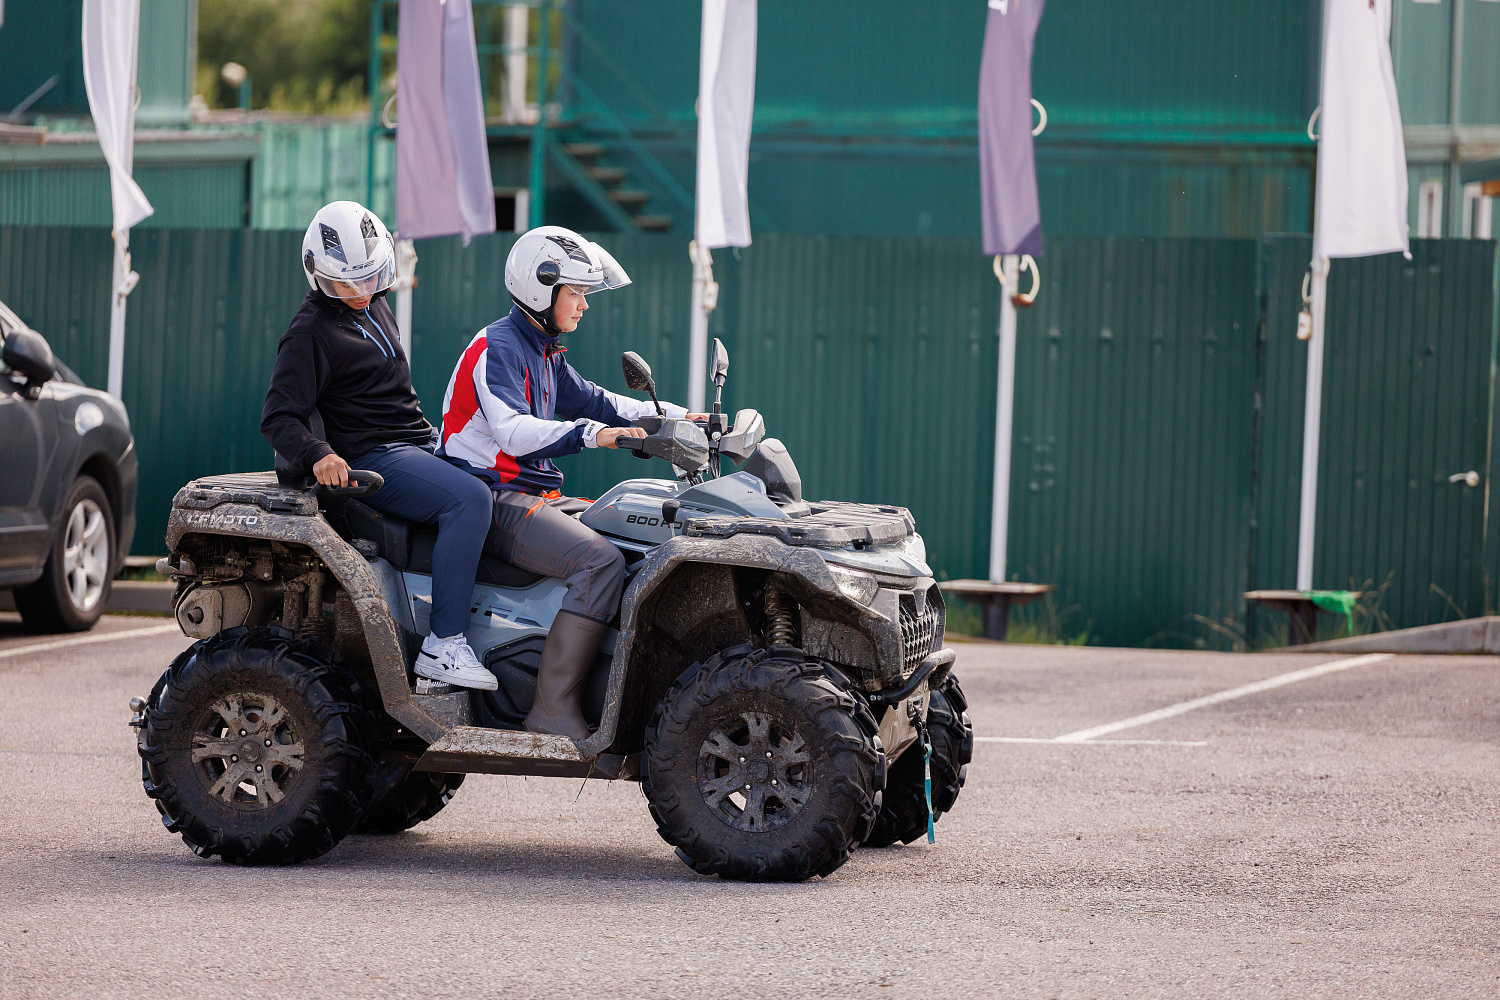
column 927, row 783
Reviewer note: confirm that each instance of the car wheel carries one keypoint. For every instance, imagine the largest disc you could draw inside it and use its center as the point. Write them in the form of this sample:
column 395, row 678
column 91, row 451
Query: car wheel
column 74, row 587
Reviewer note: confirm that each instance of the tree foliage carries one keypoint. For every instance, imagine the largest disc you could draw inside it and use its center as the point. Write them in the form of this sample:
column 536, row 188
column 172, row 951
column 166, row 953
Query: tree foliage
column 303, row 55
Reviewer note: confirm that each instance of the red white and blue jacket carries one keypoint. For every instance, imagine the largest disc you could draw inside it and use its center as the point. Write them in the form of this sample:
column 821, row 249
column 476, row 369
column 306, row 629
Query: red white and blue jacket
column 514, row 404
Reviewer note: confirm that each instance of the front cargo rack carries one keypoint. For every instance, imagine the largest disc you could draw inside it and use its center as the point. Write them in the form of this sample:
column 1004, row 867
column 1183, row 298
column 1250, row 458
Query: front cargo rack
column 829, row 524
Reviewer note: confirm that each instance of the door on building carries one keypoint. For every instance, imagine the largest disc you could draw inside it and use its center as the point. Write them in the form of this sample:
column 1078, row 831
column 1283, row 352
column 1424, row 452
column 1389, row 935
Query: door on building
column 1404, row 452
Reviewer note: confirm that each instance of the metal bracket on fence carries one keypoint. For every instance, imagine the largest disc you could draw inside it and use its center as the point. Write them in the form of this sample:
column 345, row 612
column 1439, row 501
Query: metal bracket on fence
column 385, row 113
column 1304, row 318
column 1019, row 298
column 705, row 259
column 1316, row 112
column 1041, row 125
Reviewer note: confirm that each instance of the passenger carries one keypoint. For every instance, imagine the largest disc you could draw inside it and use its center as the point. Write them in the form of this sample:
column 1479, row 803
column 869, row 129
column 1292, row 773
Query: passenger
column 513, row 405
column 341, row 357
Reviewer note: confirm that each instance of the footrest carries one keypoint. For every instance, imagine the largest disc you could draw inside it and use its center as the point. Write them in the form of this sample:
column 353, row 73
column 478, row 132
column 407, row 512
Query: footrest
column 505, row 751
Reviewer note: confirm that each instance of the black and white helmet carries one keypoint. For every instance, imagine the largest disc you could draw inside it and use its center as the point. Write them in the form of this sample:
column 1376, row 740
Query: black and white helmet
column 549, row 257
column 347, row 252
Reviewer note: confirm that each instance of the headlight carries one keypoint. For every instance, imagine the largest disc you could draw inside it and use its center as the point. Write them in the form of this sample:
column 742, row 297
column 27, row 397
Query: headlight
column 853, row 584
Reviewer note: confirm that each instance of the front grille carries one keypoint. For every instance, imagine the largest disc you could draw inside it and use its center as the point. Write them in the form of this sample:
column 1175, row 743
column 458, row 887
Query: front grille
column 920, row 633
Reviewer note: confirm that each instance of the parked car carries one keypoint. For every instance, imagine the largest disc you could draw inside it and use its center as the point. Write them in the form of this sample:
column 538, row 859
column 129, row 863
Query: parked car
column 67, row 485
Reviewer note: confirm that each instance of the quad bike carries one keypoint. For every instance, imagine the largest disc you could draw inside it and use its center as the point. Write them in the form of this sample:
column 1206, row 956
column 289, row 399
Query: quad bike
column 776, row 682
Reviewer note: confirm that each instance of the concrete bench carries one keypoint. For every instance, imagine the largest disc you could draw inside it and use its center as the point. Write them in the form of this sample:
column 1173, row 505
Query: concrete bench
column 1300, row 607
column 997, row 599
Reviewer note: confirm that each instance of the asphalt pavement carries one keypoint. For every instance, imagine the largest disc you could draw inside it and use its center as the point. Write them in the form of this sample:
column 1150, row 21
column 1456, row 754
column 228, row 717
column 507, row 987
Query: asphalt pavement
column 1333, row 836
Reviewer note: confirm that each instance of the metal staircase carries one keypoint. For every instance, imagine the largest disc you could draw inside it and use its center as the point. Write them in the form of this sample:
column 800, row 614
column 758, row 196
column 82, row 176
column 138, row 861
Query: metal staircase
column 613, row 181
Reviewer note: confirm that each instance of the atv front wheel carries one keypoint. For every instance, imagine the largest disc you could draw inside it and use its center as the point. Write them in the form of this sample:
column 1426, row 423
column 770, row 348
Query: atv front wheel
column 903, row 811
column 759, row 766
column 404, row 798
column 255, row 749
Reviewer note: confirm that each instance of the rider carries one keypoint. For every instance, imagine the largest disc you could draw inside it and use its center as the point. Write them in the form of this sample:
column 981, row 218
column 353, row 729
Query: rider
column 341, row 357
column 512, row 406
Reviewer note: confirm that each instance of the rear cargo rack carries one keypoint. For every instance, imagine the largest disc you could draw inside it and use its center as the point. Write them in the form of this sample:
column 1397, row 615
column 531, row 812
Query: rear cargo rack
column 259, row 489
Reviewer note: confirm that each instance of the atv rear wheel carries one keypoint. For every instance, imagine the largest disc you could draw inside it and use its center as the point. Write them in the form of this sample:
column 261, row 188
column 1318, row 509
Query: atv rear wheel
column 758, row 765
column 903, row 811
column 255, row 749
column 404, row 798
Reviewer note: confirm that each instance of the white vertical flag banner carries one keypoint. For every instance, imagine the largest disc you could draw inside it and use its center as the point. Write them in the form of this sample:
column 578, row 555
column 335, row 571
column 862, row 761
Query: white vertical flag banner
column 443, row 183
column 110, row 38
column 110, row 31
column 1361, row 194
column 726, row 104
column 1361, row 199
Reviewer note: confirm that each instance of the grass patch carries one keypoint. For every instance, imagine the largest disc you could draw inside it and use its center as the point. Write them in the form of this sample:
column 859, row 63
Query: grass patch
column 1273, row 629
column 1040, row 623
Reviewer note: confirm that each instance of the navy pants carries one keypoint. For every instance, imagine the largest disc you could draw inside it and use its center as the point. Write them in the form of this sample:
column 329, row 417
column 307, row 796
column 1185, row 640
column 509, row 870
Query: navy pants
column 419, row 486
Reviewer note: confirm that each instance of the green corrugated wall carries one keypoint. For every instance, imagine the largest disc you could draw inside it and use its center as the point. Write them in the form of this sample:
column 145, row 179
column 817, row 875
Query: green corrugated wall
column 1132, row 468
column 201, row 337
column 208, row 194
column 1166, row 117
column 1158, row 406
column 42, row 38
column 1406, row 404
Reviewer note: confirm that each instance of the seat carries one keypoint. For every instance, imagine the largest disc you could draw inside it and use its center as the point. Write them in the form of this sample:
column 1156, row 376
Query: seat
column 408, row 545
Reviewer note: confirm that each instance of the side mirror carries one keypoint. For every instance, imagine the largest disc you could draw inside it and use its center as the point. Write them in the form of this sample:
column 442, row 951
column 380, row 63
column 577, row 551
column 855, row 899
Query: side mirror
column 638, row 377
column 637, row 373
column 28, row 354
column 720, row 366
column 740, row 443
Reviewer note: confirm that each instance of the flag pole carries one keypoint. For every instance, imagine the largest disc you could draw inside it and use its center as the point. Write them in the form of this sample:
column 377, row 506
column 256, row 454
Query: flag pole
column 1008, row 270
column 1312, row 426
column 120, row 288
column 406, row 280
column 698, row 327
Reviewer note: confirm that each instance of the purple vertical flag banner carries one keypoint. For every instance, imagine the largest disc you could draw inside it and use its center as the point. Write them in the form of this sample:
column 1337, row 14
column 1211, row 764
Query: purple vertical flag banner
column 443, row 183
column 1011, row 211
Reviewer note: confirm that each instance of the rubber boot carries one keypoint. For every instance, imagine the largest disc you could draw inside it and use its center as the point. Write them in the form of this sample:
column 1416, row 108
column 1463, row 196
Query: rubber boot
column 567, row 657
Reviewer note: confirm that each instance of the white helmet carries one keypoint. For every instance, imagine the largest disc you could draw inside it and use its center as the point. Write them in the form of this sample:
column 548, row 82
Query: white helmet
column 548, row 257
column 347, row 252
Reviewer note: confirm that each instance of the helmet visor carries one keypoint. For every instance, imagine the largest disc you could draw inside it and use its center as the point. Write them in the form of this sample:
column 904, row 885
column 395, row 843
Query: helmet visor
column 358, row 288
column 614, row 274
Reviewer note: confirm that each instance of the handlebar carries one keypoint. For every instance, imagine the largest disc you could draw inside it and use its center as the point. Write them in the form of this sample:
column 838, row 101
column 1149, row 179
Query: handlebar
column 361, row 484
column 634, row 445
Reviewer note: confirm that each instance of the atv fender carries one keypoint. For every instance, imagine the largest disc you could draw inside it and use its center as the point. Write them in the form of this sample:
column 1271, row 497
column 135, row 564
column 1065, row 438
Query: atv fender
column 307, row 528
column 800, row 570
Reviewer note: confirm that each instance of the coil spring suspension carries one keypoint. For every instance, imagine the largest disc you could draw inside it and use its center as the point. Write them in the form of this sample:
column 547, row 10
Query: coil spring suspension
column 781, row 628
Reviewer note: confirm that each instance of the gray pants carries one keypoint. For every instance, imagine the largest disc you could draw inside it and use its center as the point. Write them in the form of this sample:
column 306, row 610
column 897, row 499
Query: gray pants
column 543, row 537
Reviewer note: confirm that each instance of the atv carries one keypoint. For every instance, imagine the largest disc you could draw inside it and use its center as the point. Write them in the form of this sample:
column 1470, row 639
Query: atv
column 776, row 680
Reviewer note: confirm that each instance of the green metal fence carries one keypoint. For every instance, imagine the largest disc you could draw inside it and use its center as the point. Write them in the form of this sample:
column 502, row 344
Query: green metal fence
column 1408, row 403
column 1158, row 420
column 1132, row 467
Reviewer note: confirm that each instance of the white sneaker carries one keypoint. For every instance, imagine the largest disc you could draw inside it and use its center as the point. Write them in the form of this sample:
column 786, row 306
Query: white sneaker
column 453, row 662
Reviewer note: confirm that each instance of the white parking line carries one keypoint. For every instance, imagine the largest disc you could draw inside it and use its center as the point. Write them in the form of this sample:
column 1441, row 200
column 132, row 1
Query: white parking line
column 1092, row 743
column 42, row 647
column 1089, row 737
column 1280, row 680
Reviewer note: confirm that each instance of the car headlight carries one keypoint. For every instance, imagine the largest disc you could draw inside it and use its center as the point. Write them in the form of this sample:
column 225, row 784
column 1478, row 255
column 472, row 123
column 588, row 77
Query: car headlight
column 853, row 584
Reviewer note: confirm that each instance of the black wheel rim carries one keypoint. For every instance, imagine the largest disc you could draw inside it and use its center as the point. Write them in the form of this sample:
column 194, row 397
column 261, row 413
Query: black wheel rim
column 755, row 772
column 246, row 751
